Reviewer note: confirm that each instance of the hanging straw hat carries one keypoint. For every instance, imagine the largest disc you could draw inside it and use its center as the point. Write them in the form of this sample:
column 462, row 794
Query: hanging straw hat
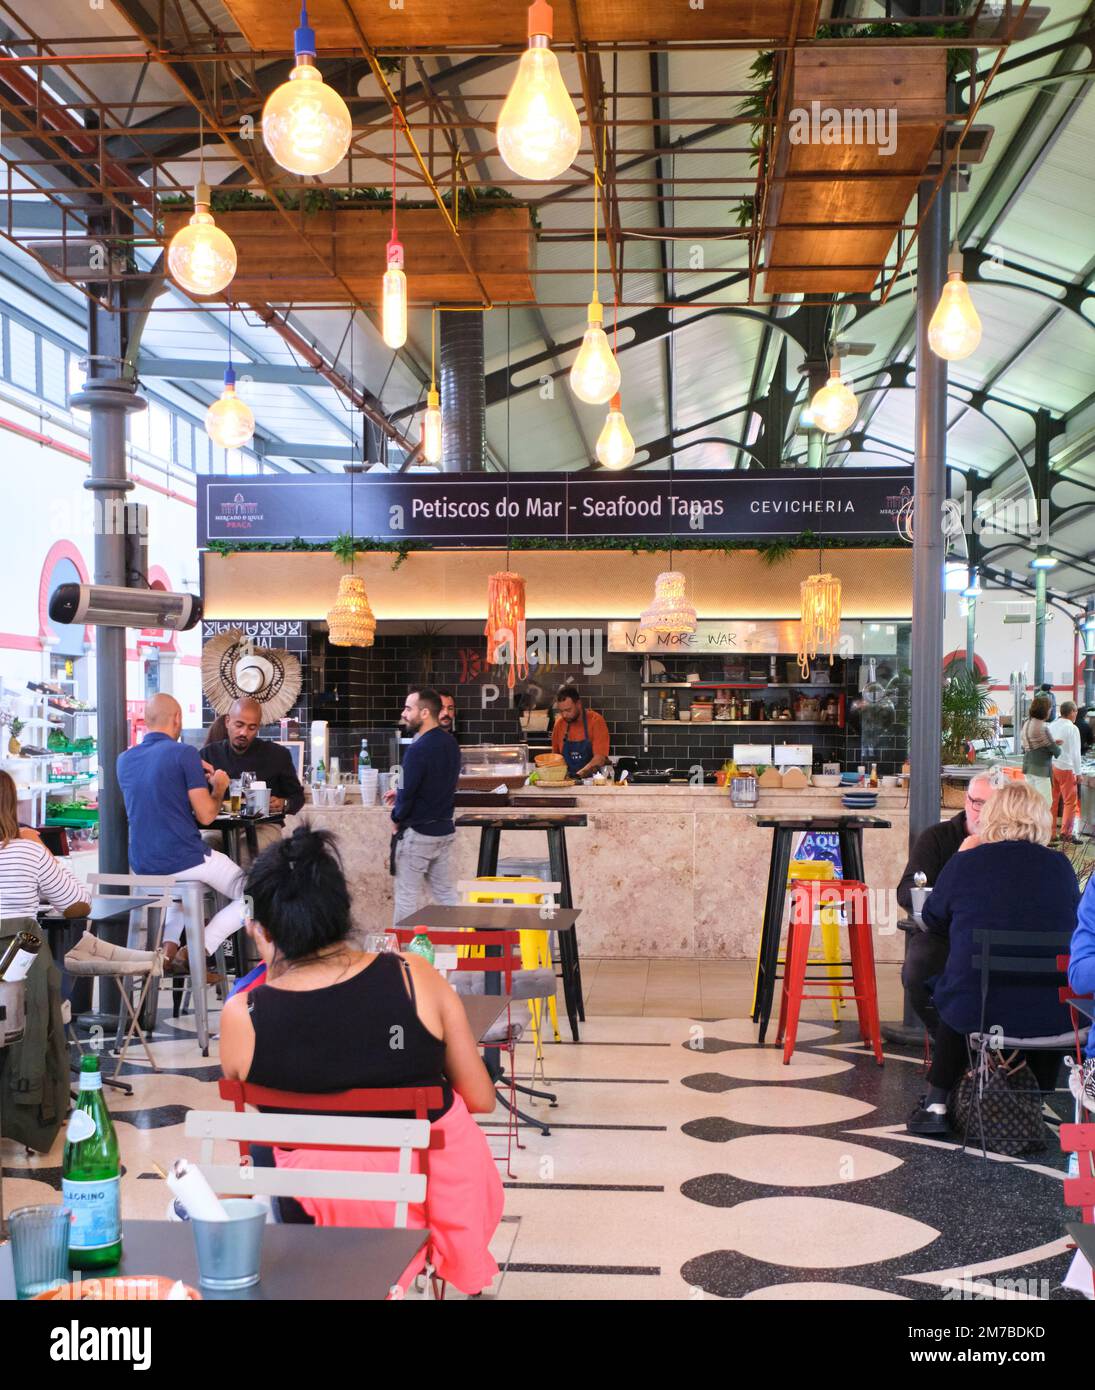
column 233, row 668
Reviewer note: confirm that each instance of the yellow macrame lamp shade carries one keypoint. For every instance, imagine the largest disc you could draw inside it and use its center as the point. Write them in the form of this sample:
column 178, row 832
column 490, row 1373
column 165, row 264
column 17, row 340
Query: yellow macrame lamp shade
column 670, row 614
column 505, row 626
column 350, row 618
column 820, row 624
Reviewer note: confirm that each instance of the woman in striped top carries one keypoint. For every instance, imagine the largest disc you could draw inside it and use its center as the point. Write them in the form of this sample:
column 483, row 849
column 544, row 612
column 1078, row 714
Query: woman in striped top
column 28, row 872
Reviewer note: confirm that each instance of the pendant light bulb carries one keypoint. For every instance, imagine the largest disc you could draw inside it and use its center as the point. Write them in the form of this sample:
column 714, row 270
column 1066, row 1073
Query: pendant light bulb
column 955, row 328
column 394, row 298
column 538, row 129
column 431, row 428
column 230, row 422
column 834, row 407
column 595, row 375
column 615, row 445
column 200, row 257
column 306, row 125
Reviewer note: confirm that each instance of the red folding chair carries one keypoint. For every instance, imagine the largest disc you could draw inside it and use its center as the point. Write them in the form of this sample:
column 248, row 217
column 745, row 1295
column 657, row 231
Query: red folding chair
column 505, row 960
column 383, row 1100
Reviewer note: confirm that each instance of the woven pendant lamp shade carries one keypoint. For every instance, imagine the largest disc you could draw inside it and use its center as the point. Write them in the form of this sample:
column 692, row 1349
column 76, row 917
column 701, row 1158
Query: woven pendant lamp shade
column 820, row 625
column 505, row 626
column 670, row 614
column 350, row 619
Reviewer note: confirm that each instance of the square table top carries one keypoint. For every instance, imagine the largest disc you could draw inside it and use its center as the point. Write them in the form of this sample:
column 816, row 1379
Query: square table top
column 824, row 821
column 484, row 1010
column 523, row 820
column 485, row 917
column 298, row 1262
column 226, row 820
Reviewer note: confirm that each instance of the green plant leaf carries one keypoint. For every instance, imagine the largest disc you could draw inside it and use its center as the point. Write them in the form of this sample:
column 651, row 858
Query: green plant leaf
column 344, row 547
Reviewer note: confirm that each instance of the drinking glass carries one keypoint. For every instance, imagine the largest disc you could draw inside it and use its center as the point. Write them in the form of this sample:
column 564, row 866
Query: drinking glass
column 39, row 1248
column 234, row 792
column 381, row 941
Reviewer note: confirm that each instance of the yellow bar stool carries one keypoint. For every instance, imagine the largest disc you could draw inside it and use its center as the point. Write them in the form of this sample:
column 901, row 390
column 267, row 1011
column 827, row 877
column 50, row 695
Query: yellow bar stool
column 819, row 871
column 535, row 945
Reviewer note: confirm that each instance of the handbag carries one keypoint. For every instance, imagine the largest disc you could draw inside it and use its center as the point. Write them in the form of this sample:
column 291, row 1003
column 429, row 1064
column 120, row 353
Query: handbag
column 997, row 1105
column 1081, row 1081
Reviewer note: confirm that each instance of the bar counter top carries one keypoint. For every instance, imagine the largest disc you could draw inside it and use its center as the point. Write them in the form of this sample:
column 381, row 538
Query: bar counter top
column 669, row 870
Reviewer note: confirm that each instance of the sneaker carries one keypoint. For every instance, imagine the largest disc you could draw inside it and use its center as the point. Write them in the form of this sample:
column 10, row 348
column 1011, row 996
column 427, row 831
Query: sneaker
column 923, row 1120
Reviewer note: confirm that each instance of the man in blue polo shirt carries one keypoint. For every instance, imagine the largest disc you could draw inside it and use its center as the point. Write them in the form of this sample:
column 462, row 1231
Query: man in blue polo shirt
column 168, row 796
column 422, row 809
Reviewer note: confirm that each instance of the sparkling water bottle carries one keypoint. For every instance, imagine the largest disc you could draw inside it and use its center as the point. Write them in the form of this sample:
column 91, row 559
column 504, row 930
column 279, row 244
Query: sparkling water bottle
column 91, row 1176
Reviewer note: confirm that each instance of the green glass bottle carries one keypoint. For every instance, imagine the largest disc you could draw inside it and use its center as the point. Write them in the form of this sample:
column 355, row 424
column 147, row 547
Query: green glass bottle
column 422, row 946
column 91, row 1177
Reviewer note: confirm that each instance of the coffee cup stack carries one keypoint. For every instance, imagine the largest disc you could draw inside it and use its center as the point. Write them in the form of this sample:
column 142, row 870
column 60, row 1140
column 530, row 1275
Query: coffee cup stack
column 369, row 780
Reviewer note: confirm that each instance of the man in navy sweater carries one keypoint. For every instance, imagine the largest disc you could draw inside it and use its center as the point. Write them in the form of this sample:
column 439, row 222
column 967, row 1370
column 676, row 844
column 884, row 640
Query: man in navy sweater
column 422, row 808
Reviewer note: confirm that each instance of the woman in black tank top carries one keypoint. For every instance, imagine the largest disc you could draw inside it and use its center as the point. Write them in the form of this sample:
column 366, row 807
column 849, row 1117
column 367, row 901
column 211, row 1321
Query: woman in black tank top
column 341, row 1037
column 332, row 1018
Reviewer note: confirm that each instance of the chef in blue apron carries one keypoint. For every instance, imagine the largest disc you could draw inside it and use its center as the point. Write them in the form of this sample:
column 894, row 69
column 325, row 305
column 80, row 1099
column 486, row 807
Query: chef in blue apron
column 579, row 734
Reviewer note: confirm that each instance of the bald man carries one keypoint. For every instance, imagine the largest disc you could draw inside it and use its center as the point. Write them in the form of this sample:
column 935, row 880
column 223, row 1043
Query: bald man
column 243, row 751
column 168, row 796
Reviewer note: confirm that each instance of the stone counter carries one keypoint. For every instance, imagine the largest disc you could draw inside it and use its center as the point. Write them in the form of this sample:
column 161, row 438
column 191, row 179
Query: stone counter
column 658, row 871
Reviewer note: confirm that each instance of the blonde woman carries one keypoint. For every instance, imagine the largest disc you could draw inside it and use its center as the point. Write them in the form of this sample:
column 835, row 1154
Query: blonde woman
column 1010, row 881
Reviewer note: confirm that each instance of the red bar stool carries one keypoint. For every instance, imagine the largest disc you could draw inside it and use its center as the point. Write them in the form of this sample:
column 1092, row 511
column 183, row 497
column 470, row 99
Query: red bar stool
column 806, row 895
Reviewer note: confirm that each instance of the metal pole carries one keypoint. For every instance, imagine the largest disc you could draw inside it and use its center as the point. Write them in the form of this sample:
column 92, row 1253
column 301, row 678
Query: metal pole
column 108, row 400
column 1039, row 627
column 1089, row 659
column 971, row 635
column 930, row 491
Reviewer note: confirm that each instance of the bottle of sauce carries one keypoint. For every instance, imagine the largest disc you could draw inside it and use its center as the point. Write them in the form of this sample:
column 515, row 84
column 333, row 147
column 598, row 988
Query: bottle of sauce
column 874, row 775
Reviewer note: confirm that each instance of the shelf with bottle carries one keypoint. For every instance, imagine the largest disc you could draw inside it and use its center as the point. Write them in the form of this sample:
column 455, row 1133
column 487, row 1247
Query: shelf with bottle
column 754, row 723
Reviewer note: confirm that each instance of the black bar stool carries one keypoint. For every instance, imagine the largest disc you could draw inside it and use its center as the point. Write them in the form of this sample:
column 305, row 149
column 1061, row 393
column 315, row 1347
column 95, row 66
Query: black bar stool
column 555, row 827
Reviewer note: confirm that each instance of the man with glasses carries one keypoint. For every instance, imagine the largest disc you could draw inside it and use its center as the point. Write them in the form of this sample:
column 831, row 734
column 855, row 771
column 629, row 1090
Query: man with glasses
column 926, row 953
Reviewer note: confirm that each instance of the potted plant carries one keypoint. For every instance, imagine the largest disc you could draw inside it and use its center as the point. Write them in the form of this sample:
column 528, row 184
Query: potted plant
column 965, row 708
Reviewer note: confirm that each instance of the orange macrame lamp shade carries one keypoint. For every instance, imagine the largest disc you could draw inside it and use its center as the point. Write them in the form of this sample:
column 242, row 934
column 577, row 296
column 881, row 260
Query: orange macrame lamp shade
column 820, row 624
column 350, row 619
column 505, row 627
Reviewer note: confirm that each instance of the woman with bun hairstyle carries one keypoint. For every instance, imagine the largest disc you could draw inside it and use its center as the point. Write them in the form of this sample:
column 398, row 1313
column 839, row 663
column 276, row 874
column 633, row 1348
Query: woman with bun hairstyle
column 323, row 1019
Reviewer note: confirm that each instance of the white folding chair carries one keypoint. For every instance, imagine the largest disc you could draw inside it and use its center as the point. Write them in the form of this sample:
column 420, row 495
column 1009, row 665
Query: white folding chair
column 93, row 957
column 245, row 1180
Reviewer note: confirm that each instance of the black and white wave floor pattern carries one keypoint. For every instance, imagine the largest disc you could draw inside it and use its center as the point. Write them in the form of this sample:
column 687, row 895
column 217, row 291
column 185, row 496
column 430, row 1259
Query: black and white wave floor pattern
column 686, row 1162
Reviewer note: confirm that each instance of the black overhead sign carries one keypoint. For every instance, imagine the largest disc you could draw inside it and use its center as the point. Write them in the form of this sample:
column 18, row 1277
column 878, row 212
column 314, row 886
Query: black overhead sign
column 482, row 508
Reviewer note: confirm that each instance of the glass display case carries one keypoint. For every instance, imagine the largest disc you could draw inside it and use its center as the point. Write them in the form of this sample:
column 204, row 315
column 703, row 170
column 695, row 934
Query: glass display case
column 484, row 766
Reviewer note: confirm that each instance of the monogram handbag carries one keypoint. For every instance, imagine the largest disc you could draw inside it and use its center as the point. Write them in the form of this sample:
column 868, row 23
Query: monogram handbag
column 1008, row 1116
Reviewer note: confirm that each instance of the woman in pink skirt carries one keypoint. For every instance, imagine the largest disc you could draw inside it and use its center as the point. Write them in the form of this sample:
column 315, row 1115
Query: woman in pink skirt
column 332, row 1018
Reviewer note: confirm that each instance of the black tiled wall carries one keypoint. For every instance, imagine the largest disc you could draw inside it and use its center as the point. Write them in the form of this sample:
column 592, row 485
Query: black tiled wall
column 370, row 686
column 361, row 692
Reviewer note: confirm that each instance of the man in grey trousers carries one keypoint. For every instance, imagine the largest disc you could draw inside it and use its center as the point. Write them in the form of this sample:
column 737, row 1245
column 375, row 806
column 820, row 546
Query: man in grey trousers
column 422, row 808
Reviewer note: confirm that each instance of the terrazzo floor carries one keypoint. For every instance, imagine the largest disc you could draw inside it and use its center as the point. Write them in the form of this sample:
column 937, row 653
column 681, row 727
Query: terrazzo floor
column 685, row 1162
